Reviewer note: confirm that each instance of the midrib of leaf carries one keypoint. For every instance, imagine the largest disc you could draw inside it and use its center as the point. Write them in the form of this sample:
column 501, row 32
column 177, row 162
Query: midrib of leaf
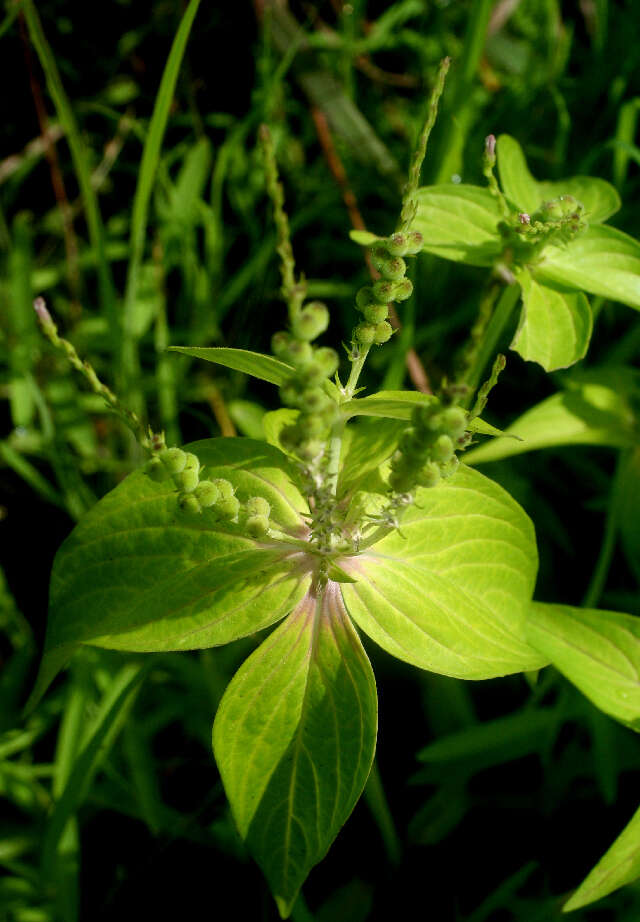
column 629, row 679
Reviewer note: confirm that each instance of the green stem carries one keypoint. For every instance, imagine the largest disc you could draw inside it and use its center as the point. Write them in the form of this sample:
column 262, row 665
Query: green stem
column 499, row 319
column 607, row 547
column 377, row 803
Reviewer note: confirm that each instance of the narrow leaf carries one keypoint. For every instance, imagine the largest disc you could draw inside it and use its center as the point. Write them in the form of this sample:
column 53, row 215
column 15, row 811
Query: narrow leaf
column 294, row 739
column 620, row 865
column 363, row 237
column 555, row 324
column 459, row 223
column 602, row 260
column 388, row 404
column 256, row 364
column 599, row 651
column 593, row 410
column 450, row 591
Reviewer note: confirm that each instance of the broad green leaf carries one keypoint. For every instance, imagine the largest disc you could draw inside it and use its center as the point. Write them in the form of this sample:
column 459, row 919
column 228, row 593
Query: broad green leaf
column 593, row 410
column 139, row 573
column 628, row 510
column 620, row 865
column 555, row 324
column 256, row 364
column 451, row 590
column 363, row 237
column 388, row 404
column 602, row 260
column 599, row 651
column 599, row 197
column 294, row 739
column 459, row 223
column 517, row 183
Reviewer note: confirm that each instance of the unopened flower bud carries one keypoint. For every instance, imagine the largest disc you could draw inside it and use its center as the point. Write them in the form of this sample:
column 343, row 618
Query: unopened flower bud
column 174, row 459
column 490, row 146
column 415, row 242
column 397, row 245
column 300, row 353
column 383, row 332
column 310, row 449
column 187, row 480
column 311, row 321
column 365, row 333
column 207, row 493
column 454, row 421
column 400, row 482
column 376, row 313
column 390, row 267
column 451, row 466
column 156, row 470
column 315, row 400
column 257, row 526
column 227, row 509
column 326, row 361
column 188, row 503
column 258, row 505
column 364, row 297
column 384, row 290
column 280, row 343
column 224, row 487
column 429, row 476
column 442, row 449
column 290, row 394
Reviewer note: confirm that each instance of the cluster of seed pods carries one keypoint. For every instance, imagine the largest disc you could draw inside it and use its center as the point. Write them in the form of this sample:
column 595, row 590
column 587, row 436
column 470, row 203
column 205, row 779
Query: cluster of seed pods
column 373, row 300
column 426, row 451
column 304, row 390
column 217, row 496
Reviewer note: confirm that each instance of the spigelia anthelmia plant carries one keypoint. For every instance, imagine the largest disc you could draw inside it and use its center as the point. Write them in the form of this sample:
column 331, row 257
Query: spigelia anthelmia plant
column 337, row 524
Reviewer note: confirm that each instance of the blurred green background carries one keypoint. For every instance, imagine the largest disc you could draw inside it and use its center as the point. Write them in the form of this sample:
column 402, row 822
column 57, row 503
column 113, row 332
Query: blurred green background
column 132, row 198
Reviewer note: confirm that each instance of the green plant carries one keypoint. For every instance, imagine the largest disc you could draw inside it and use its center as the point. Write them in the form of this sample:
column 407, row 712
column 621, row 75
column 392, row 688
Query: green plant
column 329, row 523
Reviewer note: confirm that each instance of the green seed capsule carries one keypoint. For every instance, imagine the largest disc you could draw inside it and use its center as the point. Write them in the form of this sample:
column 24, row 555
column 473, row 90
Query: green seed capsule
column 300, row 353
column 156, row 470
column 385, row 290
column 188, row 503
column 310, row 449
column 454, row 421
column 394, row 268
column 415, row 242
column 290, row 394
column 397, row 245
column 207, row 493
column 280, row 343
column 376, row 313
column 227, row 509
column 192, row 462
column 314, row 400
column 174, row 459
column 412, row 443
column 257, row 526
column 429, row 476
column 449, row 469
column 326, row 361
column 186, row 481
column 365, row 333
column 384, row 332
column 364, row 297
column 258, row 505
column 311, row 321
column 225, row 489
column 400, row 482
column 442, row 449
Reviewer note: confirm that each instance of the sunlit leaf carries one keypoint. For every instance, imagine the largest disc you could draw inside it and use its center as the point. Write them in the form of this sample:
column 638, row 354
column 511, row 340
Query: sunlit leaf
column 450, row 592
column 256, row 364
column 389, row 404
column 555, row 324
column 139, row 573
column 602, row 260
column 594, row 409
column 620, row 865
column 363, row 237
column 517, row 183
column 294, row 739
column 599, row 651
column 459, row 223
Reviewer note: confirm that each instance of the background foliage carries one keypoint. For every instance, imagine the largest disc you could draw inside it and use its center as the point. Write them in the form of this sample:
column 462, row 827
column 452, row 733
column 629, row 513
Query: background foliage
column 111, row 801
